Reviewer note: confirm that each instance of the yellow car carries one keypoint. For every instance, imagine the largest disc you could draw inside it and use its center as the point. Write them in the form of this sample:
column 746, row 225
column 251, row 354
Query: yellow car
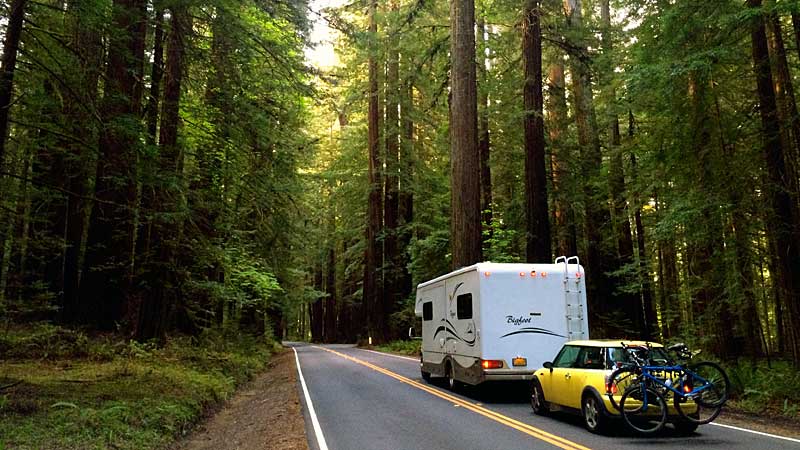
column 576, row 382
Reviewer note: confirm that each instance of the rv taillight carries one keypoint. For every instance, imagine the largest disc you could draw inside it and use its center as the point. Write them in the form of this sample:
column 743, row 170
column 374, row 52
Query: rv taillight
column 491, row 363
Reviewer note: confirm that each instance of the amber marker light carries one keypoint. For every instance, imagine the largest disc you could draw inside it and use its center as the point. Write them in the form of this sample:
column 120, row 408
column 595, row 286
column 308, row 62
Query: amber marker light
column 486, row 274
column 522, row 274
column 491, row 363
column 533, row 274
column 544, row 274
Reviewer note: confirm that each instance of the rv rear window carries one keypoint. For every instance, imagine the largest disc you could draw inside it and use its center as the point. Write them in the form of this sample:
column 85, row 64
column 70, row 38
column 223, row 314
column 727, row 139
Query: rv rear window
column 464, row 306
column 427, row 311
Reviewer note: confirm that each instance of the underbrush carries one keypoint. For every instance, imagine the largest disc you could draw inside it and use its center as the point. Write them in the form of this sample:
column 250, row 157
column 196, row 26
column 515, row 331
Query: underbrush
column 404, row 347
column 64, row 389
column 761, row 388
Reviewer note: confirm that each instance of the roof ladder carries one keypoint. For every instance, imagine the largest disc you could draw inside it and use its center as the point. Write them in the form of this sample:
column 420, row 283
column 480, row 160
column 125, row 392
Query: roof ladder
column 572, row 298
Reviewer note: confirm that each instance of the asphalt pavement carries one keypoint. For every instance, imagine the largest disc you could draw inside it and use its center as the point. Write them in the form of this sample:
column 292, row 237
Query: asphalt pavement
column 364, row 400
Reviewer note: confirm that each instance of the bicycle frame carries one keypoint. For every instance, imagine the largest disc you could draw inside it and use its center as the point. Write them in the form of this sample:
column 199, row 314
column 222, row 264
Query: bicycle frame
column 680, row 370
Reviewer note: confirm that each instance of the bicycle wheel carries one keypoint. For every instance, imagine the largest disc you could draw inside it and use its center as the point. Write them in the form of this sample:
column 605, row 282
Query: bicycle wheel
column 710, row 382
column 617, row 383
column 696, row 412
column 645, row 411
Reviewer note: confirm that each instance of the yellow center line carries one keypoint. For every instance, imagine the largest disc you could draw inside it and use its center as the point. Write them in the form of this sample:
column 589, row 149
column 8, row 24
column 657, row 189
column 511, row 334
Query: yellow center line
column 557, row 441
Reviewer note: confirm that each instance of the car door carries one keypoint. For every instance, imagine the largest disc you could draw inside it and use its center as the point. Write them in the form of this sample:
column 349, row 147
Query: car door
column 587, row 370
column 556, row 383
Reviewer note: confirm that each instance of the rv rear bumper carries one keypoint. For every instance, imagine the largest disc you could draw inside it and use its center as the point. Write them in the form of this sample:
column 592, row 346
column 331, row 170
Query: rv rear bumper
column 506, row 375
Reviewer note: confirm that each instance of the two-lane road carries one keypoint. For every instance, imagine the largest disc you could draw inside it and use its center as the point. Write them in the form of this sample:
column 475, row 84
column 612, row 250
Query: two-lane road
column 365, row 400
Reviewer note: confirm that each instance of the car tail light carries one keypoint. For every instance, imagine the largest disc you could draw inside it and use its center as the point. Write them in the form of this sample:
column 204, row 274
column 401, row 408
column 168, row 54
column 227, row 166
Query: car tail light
column 491, row 363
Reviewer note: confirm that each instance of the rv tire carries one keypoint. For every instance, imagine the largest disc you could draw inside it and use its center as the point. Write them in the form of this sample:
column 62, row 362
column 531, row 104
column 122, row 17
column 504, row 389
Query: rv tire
column 450, row 376
column 426, row 376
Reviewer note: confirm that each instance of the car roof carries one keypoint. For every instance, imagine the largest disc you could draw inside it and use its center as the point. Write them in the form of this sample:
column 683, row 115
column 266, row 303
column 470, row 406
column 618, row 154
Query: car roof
column 611, row 343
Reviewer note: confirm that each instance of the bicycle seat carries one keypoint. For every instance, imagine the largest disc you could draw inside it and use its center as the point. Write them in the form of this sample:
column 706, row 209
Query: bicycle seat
column 677, row 347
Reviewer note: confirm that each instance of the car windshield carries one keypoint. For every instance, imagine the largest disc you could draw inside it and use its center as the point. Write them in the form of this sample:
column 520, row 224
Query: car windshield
column 658, row 356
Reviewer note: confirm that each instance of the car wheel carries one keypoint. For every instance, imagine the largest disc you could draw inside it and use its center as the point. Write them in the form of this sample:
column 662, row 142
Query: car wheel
column 685, row 427
column 593, row 413
column 538, row 403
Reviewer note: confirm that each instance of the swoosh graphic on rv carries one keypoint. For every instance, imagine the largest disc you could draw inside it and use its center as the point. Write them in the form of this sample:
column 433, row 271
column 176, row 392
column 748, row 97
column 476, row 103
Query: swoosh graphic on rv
column 532, row 330
column 442, row 328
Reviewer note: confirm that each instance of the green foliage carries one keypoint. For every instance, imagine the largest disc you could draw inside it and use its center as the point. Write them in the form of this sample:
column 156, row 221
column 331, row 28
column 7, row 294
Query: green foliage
column 142, row 397
column 411, row 348
column 765, row 387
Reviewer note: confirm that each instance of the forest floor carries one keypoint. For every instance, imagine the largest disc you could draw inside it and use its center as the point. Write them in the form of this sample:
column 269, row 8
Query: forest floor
column 264, row 415
column 65, row 389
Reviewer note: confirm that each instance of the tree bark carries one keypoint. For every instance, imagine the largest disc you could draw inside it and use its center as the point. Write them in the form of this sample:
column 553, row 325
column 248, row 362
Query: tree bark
column 538, row 248
column 784, row 220
column 465, row 201
column 110, row 254
column 156, row 74
column 8, row 66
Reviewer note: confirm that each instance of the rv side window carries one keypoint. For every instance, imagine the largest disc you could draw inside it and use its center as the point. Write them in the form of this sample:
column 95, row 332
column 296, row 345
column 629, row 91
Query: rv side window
column 464, row 306
column 427, row 311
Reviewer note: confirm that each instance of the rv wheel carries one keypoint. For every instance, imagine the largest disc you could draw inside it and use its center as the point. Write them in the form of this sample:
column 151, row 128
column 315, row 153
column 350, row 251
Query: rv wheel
column 426, row 375
column 452, row 384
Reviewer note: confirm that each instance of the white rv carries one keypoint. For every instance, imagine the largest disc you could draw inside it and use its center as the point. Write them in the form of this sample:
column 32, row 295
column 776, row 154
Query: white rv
column 494, row 321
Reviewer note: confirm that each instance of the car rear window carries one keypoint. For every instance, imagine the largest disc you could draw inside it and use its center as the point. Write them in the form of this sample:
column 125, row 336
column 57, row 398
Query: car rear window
column 658, row 357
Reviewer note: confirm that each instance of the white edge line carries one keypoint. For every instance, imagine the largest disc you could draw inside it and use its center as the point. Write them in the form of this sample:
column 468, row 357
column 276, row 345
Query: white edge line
column 314, row 421
column 389, row 354
column 756, row 432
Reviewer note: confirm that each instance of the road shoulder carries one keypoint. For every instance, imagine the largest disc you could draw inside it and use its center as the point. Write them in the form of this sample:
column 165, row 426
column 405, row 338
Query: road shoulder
column 264, row 415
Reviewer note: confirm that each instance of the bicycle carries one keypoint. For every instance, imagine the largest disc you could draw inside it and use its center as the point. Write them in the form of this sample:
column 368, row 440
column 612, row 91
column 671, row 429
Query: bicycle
column 699, row 390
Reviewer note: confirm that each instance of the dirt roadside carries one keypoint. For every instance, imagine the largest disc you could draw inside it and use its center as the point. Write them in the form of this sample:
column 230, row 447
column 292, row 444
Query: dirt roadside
column 265, row 414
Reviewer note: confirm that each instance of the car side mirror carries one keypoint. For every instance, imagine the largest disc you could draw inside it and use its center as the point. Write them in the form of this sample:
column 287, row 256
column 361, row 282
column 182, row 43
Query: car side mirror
column 548, row 365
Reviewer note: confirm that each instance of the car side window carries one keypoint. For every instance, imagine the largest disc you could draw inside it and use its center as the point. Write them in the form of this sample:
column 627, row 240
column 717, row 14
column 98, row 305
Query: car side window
column 567, row 357
column 590, row 358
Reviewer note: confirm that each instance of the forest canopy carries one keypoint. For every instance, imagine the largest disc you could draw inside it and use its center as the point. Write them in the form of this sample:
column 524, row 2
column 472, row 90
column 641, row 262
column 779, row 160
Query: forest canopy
column 180, row 165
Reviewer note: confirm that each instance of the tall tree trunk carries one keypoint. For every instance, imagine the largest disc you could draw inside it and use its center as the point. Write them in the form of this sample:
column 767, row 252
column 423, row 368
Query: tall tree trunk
column 372, row 293
column 566, row 232
column 629, row 300
column 536, row 212
column 162, row 273
column 156, row 74
column 784, row 220
column 650, row 327
column 600, row 290
column 391, row 179
column 317, row 308
column 7, row 67
column 484, row 140
column 406, row 194
column 331, row 301
column 81, row 163
column 108, row 272
column 465, row 200
column 784, row 97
